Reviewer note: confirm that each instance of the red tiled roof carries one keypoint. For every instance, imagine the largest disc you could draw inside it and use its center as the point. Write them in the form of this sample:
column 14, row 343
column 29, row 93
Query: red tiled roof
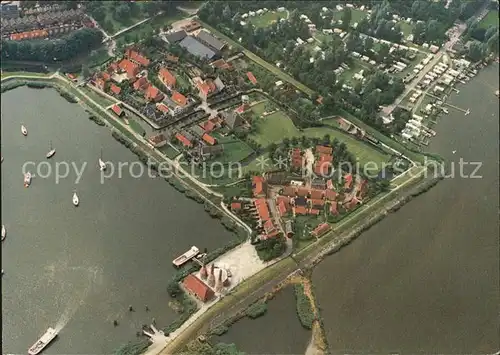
column 115, row 89
column 141, row 84
column 258, row 185
column 271, row 235
column 324, row 150
column 316, row 194
column 137, row 57
column 159, row 138
column 289, row 191
column 236, row 206
column 167, row 77
column 106, row 76
column 152, row 93
column 262, row 209
column 269, row 226
column 179, row 99
column 314, row 211
column 208, row 126
column 300, row 210
column 352, row 203
column 330, row 195
column 329, row 184
column 317, row 202
column 29, row 35
column 71, row 76
column 130, row 68
column 321, row 229
column 348, row 181
column 113, row 67
column 183, row 140
column 303, row 191
column 333, row 207
column 285, row 202
column 281, row 208
column 100, row 83
column 162, row 107
column 116, row 109
column 251, row 77
column 197, row 287
column 326, row 157
column 322, row 167
column 172, row 58
column 209, row 139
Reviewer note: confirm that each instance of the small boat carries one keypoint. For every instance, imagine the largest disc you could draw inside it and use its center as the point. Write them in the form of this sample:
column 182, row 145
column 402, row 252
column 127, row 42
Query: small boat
column 102, row 164
column 4, row 233
column 184, row 258
column 41, row 343
column 24, row 131
column 2, row 159
column 51, row 152
column 76, row 200
column 27, row 179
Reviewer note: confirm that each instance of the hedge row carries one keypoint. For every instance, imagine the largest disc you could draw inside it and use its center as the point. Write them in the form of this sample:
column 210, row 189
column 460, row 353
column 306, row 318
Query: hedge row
column 256, row 310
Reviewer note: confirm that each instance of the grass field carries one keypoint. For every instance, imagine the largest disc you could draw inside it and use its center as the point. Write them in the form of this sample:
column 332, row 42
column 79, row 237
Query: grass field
column 259, row 109
column 272, row 68
column 406, row 28
column 14, row 73
column 356, row 15
column 105, row 102
column 266, row 19
column 491, row 18
column 111, row 25
column 275, row 127
column 234, row 149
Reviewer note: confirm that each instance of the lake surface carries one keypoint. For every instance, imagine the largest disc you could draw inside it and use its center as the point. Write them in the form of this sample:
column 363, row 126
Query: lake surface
column 426, row 279
column 277, row 332
column 80, row 268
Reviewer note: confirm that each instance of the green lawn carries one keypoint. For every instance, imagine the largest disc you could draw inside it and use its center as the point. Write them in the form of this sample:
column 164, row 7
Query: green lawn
column 111, row 25
column 266, row 19
column 259, row 109
column 6, row 74
column 491, row 18
column 136, row 126
column 406, row 28
column 148, row 27
column 234, row 149
column 275, row 127
column 356, row 15
column 97, row 57
column 103, row 101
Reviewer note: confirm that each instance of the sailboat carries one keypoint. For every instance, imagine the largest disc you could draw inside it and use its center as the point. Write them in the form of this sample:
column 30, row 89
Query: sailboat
column 102, row 164
column 51, row 152
column 76, row 200
column 27, row 179
column 24, row 131
column 4, row 233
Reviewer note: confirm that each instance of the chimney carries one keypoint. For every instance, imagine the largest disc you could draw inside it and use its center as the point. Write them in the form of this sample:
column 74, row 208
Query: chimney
column 203, row 272
column 218, row 285
column 211, row 277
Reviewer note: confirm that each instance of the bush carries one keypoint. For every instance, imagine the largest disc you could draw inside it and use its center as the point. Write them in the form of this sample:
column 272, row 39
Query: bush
column 304, row 309
column 220, row 330
column 189, row 307
column 133, row 348
column 97, row 120
column 11, row 85
column 256, row 310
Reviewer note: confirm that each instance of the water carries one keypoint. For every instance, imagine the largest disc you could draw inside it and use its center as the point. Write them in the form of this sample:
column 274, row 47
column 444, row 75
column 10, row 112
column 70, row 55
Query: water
column 425, row 280
column 277, row 332
column 78, row 269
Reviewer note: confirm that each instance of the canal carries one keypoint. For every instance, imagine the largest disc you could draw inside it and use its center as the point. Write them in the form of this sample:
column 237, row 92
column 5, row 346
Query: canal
column 78, row 269
column 425, row 279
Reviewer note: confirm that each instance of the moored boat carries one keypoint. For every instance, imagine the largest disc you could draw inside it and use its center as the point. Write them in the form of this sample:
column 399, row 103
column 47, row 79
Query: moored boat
column 76, row 200
column 102, row 164
column 184, row 258
column 41, row 343
column 51, row 151
column 4, row 233
column 27, row 179
column 24, row 131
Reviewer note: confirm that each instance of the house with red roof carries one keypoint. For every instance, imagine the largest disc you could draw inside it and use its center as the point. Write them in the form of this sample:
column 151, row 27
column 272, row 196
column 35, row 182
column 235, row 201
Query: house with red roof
column 322, row 168
column 137, row 57
column 252, row 78
column 333, row 208
column 117, row 110
column 167, row 78
column 132, row 69
column 347, row 181
column 153, row 94
column 262, row 209
column 115, row 89
column 330, row 195
column 316, row 194
column 208, row 126
column 351, row 204
column 141, row 85
column 314, row 212
column 207, row 87
column 320, row 149
column 301, row 210
column 162, row 107
column 329, row 184
column 197, row 288
column 296, row 158
column 186, row 142
column 158, row 140
column 209, row 139
column 100, row 83
column 259, row 186
column 235, row 206
column 321, row 229
column 179, row 99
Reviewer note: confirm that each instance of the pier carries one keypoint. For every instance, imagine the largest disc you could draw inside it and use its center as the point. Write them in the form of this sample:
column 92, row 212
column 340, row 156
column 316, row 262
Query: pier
column 466, row 111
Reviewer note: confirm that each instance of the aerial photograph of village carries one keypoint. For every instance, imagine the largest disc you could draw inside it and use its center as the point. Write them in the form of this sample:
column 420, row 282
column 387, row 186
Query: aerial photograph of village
column 250, row 177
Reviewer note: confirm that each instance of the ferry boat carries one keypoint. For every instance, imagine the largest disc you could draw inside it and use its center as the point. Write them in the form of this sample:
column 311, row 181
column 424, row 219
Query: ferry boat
column 51, row 151
column 41, row 343
column 4, row 233
column 27, row 179
column 184, row 258
column 76, row 200
column 24, row 131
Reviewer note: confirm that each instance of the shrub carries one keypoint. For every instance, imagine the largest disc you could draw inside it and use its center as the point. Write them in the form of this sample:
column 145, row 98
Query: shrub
column 133, row 348
column 256, row 310
column 304, row 309
column 220, row 330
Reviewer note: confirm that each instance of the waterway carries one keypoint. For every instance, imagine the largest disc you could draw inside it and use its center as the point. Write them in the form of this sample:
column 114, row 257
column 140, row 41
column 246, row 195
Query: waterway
column 426, row 279
column 277, row 332
column 78, row 269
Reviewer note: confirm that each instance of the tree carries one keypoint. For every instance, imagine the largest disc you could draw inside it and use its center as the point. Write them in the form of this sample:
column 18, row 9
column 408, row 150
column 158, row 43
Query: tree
column 492, row 44
column 368, row 44
column 476, row 51
column 85, row 71
column 122, row 12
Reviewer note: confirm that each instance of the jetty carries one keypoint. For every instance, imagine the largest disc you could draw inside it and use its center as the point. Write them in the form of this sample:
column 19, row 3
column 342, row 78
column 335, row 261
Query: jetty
column 187, row 256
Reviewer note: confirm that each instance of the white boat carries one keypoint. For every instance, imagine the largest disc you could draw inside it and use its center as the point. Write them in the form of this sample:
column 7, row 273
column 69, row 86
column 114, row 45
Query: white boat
column 51, row 152
column 41, row 343
column 24, row 131
column 27, row 179
column 2, row 159
column 184, row 258
column 4, row 233
column 76, row 200
column 102, row 164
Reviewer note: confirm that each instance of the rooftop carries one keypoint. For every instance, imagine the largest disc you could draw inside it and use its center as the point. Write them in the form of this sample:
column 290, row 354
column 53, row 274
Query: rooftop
column 210, row 40
column 197, row 287
column 197, row 48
